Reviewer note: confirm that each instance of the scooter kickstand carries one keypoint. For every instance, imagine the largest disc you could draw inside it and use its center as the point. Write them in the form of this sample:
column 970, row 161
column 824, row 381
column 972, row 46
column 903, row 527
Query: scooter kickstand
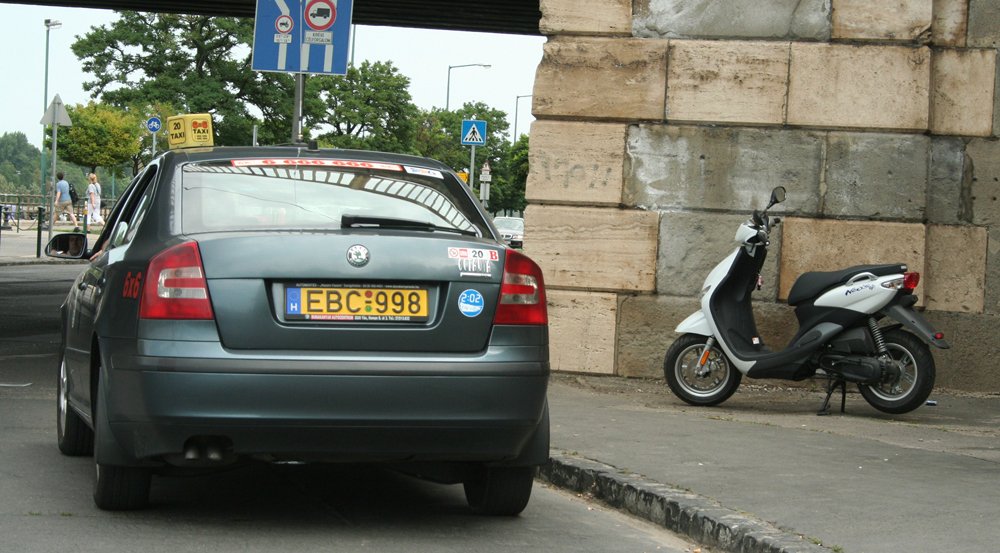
column 834, row 384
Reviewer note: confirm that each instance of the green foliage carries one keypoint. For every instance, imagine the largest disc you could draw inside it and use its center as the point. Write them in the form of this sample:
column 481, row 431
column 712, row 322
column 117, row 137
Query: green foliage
column 195, row 63
column 369, row 108
column 101, row 136
column 19, row 164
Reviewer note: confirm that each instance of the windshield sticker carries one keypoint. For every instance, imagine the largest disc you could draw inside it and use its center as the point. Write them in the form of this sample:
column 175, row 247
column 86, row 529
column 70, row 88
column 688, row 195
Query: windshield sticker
column 312, row 162
column 471, row 303
column 425, row 172
column 474, row 262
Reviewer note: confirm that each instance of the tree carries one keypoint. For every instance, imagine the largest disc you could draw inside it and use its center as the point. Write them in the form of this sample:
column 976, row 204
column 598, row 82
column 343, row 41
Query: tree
column 198, row 64
column 507, row 192
column 369, row 108
column 19, row 163
column 101, row 136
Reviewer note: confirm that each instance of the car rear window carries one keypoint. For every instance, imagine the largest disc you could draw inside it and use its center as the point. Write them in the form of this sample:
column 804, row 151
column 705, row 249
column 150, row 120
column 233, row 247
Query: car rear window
column 240, row 194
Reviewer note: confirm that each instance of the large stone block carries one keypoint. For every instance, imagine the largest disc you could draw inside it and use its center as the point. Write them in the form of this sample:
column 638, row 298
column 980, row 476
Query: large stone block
column 880, row 176
column 950, row 22
column 593, row 248
column 593, row 17
column 984, row 24
column 582, row 331
column 962, row 94
column 727, row 168
column 602, row 78
column 829, row 245
column 984, row 159
column 692, row 244
column 956, row 268
column 991, row 299
column 727, row 81
column 948, row 192
column 970, row 363
column 576, row 162
column 770, row 19
column 869, row 87
column 646, row 329
column 904, row 20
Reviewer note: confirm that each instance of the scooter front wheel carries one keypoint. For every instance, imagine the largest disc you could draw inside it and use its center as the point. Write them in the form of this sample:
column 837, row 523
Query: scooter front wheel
column 696, row 384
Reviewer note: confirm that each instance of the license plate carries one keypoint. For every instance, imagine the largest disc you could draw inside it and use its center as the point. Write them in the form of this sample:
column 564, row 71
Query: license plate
column 356, row 303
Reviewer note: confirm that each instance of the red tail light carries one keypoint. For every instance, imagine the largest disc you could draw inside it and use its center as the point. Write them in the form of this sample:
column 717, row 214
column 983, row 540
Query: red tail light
column 910, row 281
column 522, row 293
column 175, row 286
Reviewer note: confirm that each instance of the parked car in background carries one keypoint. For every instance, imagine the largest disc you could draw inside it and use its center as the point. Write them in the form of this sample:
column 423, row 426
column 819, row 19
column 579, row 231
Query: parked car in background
column 511, row 230
column 289, row 304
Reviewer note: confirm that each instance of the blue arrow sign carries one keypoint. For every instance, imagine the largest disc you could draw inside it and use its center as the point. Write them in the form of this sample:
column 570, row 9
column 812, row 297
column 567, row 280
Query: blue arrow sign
column 302, row 36
column 153, row 124
column 473, row 132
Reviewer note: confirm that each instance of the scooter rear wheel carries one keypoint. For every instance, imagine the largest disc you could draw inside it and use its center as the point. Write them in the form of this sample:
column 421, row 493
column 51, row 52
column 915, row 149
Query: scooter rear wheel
column 711, row 384
column 916, row 378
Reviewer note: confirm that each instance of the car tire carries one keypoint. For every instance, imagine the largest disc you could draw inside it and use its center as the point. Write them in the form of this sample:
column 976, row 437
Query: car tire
column 121, row 488
column 500, row 491
column 73, row 436
column 116, row 488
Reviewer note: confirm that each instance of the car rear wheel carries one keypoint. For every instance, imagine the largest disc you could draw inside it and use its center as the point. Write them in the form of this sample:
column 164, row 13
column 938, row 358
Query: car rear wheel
column 117, row 488
column 121, row 488
column 73, row 435
column 502, row 491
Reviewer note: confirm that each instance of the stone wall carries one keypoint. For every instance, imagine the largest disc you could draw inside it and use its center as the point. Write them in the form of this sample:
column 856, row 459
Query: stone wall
column 660, row 124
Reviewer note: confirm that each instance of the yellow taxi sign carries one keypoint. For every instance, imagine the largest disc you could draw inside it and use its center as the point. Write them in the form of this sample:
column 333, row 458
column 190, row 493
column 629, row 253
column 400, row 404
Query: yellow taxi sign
column 190, row 130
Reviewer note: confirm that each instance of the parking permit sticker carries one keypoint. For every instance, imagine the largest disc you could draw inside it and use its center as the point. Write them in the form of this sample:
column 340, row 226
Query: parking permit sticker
column 474, row 262
column 471, row 303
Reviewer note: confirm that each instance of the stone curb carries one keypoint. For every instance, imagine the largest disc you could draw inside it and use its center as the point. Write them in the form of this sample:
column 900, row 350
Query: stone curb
column 700, row 519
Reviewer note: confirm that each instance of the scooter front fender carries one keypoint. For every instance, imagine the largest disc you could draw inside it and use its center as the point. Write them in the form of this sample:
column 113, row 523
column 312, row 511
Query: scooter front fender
column 696, row 323
column 916, row 323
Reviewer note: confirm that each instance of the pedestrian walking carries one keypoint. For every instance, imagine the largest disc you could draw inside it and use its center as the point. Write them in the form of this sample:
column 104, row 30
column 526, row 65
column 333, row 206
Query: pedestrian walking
column 64, row 201
column 94, row 201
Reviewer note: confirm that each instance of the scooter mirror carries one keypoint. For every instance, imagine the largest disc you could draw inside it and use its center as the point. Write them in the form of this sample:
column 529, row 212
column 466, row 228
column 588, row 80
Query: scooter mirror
column 777, row 196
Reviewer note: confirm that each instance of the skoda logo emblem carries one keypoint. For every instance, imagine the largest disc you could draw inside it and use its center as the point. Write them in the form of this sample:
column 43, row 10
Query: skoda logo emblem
column 358, row 255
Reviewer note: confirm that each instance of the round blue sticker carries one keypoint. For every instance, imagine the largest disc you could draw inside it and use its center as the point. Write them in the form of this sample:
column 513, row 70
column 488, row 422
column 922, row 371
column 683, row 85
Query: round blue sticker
column 471, row 303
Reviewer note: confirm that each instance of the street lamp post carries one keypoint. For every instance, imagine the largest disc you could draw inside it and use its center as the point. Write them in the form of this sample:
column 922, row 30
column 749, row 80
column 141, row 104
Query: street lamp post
column 447, row 98
column 517, row 104
column 49, row 25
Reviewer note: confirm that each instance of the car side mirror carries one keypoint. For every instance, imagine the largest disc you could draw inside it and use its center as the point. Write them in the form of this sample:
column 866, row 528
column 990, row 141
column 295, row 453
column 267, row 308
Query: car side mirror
column 67, row 246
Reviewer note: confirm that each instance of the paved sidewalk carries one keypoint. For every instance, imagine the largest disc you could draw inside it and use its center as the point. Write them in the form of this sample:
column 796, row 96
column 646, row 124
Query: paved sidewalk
column 763, row 473
column 21, row 247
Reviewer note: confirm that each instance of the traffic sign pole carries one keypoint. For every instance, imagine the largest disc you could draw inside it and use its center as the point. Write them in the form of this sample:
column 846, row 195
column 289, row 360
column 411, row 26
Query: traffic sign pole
column 472, row 169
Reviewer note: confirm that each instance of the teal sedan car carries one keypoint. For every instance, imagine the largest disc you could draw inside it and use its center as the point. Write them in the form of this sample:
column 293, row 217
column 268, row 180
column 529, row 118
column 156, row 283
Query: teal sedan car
column 302, row 305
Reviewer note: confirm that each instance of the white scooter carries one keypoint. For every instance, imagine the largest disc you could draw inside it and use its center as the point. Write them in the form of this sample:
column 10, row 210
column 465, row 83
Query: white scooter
column 839, row 332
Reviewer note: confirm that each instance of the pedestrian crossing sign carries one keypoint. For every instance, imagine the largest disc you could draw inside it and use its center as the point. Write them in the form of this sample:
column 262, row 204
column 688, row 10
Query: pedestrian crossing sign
column 473, row 132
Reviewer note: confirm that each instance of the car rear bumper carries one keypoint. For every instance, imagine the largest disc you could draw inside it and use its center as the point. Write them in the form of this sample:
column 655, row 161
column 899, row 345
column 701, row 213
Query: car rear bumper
column 431, row 409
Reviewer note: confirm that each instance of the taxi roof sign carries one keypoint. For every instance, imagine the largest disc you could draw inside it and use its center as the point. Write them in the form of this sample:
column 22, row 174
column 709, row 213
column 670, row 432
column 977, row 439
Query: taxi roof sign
column 192, row 130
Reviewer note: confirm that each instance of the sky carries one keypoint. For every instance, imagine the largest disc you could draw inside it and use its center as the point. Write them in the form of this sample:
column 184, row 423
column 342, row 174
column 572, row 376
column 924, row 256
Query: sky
column 422, row 55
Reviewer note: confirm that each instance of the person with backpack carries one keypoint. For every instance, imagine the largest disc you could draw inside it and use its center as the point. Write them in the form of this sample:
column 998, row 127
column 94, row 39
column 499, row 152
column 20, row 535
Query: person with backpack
column 94, row 201
column 64, row 200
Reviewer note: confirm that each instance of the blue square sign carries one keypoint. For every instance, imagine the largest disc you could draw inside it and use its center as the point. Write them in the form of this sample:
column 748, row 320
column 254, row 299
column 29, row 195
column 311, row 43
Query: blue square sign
column 302, row 36
column 473, row 132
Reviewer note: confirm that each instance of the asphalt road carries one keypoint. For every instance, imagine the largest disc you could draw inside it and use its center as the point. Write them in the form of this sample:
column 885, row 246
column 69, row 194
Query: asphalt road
column 46, row 497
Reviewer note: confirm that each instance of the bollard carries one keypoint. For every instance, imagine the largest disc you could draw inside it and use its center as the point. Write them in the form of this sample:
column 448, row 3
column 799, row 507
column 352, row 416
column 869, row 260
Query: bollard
column 38, row 241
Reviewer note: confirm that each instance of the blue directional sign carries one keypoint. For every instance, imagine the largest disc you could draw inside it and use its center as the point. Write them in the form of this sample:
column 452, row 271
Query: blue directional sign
column 153, row 124
column 473, row 132
column 302, row 36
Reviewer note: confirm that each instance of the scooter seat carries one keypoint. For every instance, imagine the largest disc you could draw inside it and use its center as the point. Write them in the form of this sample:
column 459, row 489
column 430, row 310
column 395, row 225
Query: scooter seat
column 810, row 285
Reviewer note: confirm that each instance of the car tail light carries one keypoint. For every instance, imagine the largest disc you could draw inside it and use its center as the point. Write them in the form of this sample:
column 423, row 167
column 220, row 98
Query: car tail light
column 910, row 281
column 175, row 286
column 522, row 293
